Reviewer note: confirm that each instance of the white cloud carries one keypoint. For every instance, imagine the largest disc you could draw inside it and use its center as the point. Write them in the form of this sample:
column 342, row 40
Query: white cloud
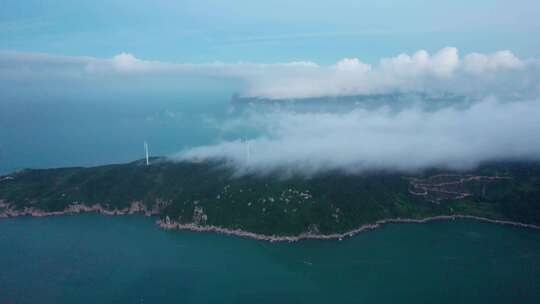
column 362, row 139
column 352, row 64
column 480, row 63
column 445, row 62
column 126, row 62
column 479, row 75
column 441, row 64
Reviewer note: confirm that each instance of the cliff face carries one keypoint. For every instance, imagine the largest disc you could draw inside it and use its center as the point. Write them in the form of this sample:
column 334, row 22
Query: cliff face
column 209, row 195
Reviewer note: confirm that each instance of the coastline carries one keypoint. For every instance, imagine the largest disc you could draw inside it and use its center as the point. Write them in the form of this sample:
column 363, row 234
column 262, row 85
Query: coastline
column 139, row 207
column 334, row 236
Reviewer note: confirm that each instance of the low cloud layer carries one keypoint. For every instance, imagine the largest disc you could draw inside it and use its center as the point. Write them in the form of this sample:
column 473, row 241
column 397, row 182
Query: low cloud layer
column 360, row 140
column 501, row 121
column 477, row 75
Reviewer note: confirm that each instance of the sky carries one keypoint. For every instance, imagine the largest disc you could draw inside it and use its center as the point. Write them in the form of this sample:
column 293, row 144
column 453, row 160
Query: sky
column 266, row 31
column 85, row 83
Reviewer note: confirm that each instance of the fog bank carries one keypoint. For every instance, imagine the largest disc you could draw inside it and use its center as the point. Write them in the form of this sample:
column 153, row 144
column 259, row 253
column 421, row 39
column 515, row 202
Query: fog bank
column 359, row 140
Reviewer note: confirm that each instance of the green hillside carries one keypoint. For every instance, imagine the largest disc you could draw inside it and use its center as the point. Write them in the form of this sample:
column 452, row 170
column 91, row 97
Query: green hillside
column 209, row 193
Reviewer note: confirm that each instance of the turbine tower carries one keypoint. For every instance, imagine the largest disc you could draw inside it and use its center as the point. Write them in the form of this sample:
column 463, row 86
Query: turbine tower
column 248, row 151
column 146, row 151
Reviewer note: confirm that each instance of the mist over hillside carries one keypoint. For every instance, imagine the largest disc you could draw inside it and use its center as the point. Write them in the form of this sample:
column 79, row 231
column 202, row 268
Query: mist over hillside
column 403, row 113
column 397, row 134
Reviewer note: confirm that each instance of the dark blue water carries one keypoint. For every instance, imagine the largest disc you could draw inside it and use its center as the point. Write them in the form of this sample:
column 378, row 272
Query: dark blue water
column 95, row 259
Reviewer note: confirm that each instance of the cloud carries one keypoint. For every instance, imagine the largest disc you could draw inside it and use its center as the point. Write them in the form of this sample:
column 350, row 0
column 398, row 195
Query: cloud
column 128, row 62
column 381, row 139
column 352, row 64
column 441, row 64
column 479, row 75
column 500, row 121
column 480, row 64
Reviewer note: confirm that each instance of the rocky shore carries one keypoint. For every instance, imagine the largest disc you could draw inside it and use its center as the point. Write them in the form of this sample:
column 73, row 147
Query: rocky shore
column 171, row 225
column 7, row 211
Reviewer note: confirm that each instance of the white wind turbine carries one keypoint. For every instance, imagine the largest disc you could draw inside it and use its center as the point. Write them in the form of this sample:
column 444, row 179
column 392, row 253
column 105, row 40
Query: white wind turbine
column 248, row 151
column 146, row 151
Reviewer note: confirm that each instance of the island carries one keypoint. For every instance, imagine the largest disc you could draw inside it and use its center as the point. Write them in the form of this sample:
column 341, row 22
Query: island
column 212, row 196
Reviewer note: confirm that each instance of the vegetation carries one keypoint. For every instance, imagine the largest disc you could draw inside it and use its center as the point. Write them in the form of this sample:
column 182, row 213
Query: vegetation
column 210, row 194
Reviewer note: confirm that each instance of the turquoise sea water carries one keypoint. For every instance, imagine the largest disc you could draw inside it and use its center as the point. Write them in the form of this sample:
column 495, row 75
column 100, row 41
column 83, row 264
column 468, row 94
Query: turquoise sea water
column 96, row 259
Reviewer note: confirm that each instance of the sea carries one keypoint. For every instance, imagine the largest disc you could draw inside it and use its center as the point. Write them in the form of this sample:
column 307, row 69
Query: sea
column 99, row 259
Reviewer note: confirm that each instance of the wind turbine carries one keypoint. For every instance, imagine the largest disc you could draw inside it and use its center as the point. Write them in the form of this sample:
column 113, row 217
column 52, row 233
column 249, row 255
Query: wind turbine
column 248, row 151
column 146, row 151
